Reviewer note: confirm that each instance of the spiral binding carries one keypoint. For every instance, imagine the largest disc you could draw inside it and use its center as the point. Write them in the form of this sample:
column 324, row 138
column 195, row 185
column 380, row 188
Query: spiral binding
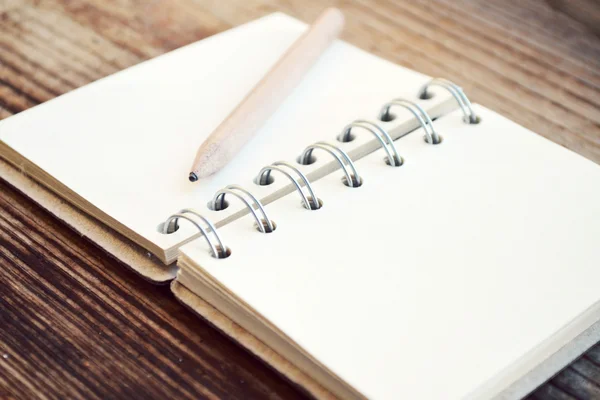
column 394, row 158
column 456, row 91
column 420, row 114
column 265, row 173
column 218, row 203
column 171, row 225
column 352, row 178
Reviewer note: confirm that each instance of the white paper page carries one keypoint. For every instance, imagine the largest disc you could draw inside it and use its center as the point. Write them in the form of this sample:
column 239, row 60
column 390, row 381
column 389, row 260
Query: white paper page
column 126, row 142
column 431, row 278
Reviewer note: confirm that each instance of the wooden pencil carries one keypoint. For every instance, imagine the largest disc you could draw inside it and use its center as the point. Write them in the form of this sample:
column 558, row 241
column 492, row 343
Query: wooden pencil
column 264, row 99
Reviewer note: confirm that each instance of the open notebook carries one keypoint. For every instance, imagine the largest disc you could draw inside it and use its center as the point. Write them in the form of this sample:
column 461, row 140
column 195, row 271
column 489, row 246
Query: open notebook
column 117, row 148
column 449, row 270
column 448, row 277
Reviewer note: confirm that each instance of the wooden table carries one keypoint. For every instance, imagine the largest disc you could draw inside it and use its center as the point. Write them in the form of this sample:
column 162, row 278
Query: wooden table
column 77, row 324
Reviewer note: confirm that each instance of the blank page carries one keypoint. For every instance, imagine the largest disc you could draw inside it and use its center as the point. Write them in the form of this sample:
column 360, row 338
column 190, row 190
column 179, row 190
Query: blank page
column 446, row 277
column 126, row 142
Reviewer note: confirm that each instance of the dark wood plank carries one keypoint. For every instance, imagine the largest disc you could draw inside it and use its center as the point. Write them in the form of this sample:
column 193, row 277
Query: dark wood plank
column 77, row 324
column 571, row 381
column 594, row 354
column 550, row 392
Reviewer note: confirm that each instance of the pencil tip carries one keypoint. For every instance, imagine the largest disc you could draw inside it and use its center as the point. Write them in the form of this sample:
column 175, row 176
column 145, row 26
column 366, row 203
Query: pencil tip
column 193, row 177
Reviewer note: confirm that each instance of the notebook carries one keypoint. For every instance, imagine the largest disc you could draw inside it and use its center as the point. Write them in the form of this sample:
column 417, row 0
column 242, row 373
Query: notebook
column 382, row 239
column 445, row 278
column 117, row 148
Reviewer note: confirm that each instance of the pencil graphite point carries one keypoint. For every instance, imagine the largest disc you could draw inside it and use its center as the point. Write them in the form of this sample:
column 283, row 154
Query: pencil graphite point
column 193, row 177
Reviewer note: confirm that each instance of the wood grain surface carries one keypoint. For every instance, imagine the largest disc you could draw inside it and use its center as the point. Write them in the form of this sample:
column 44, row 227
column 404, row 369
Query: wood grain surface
column 74, row 323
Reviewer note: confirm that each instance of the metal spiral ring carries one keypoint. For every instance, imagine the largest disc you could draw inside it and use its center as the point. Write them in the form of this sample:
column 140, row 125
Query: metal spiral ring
column 265, row 172
column 171, row 224
column 419, row 113
column 457, row 92
column 380, row 134
column 345, row 163
column 218, row 203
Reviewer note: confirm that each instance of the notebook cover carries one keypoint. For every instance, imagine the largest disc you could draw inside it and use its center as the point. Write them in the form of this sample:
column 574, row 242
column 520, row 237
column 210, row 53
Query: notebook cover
column 132, row 255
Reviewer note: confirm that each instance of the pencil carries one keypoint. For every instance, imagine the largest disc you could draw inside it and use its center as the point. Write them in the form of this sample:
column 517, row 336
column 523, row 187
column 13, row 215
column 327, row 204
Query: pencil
column 264, row 99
